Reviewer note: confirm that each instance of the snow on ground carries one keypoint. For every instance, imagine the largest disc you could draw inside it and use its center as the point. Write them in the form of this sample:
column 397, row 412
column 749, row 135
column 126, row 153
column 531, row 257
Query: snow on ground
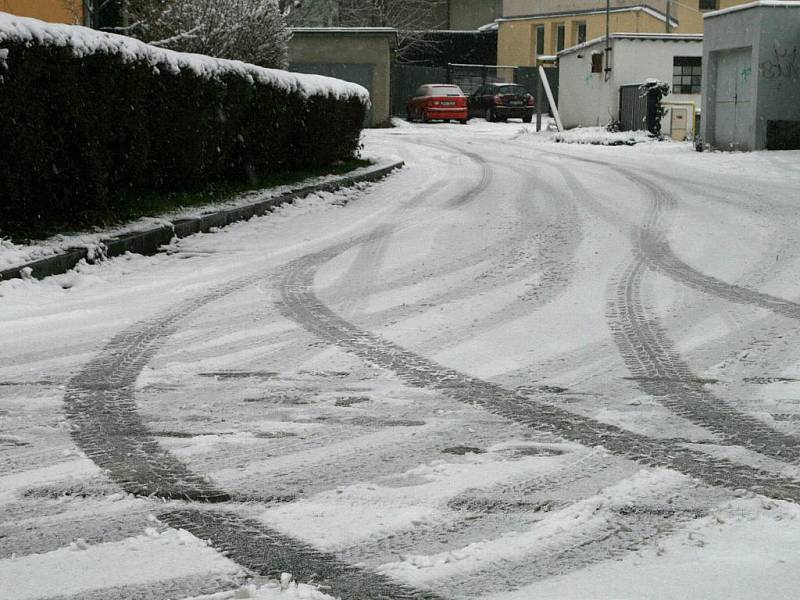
column 739, row 552
column 496, row 253
column 81, row 567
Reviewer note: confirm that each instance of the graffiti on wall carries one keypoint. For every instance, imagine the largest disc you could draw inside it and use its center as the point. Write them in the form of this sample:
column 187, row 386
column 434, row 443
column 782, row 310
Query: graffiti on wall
column 783, row 64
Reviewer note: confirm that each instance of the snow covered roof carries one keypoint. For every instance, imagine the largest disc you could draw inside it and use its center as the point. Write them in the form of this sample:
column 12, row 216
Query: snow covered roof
column 345, row 30
column 663, row 37
column 645, row 8
column 749, row 5
column 84, row 42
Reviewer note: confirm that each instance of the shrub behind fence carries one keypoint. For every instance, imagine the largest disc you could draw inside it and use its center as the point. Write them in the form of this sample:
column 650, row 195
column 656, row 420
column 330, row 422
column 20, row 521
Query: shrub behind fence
column 90, row 120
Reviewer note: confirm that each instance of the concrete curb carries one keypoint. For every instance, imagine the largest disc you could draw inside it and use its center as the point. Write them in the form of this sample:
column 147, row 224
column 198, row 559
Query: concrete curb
column 150, row 241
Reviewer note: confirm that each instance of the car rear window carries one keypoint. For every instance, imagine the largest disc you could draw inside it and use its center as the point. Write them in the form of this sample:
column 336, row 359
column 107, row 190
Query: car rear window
column 445, row 90
column 511, row 89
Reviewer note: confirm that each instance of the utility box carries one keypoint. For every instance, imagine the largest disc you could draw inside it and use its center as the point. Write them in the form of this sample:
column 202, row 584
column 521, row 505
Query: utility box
column 751, row 77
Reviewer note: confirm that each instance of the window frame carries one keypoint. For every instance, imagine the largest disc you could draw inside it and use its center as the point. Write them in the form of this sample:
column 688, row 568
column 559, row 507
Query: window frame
column 597, row 62
column 561, row 36
column 687, row 75
column 540, row 40
column 578, row 26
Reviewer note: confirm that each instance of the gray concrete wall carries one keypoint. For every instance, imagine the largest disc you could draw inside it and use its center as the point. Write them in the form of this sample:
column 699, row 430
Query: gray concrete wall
column 778, row 70
column 771, row 75
column 359, row 50
column 471, row 14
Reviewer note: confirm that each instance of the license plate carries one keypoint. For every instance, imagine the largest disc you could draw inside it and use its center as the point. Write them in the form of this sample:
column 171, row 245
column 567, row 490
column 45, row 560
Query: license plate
column 445, row 103
column 515, row 103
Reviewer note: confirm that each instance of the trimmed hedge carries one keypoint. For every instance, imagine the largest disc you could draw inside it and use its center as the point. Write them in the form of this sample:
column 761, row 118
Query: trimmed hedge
column 89, row 121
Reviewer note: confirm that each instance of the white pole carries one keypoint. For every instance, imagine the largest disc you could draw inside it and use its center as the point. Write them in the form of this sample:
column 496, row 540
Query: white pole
column 543, row 78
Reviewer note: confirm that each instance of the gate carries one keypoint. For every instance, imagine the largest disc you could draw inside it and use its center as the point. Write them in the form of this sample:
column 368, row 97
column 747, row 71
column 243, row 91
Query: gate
column 637, row 109
column 529, row 78
column 407, row 78
column 470, row 77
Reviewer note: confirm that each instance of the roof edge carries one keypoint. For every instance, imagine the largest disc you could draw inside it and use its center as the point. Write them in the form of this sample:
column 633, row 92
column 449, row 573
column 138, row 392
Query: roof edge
column 664, row 37
column 749, row 5
column 593, row 11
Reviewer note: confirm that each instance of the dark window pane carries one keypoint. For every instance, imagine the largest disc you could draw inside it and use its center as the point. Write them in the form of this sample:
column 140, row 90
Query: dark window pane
column 539, row 40
column 581, row 33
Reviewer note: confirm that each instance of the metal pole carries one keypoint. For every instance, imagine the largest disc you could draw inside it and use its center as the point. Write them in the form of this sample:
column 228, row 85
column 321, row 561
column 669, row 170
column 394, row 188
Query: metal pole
column 606, row 68
column 666, row 23
column 539, row 102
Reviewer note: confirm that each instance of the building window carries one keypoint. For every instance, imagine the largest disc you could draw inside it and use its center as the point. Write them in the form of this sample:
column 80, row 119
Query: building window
column 708, row 4
column 687, row 74
column 539, row 40
column 597, row 62
column 560, row 34
column 580, row 33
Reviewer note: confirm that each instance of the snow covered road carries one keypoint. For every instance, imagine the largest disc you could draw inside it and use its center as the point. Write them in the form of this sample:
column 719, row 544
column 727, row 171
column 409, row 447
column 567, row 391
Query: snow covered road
column 515, row 369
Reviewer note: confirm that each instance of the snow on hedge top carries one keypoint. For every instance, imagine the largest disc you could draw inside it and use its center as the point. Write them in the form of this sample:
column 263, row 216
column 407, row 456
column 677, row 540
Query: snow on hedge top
column 84, row 41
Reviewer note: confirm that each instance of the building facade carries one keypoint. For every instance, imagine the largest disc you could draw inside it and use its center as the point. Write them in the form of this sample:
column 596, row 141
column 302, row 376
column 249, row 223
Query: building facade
column 751, row 71
column 54, row 11
column 534, row 30
column 589, row 94
column 468, row 15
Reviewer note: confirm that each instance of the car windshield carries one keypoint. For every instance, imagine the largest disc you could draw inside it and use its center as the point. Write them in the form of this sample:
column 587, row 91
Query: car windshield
column 517, row 90
column 445, row 90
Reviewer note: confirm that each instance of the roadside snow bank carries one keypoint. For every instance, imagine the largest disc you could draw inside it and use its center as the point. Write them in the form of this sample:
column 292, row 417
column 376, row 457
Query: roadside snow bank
column 599, row 136
column 83, row 42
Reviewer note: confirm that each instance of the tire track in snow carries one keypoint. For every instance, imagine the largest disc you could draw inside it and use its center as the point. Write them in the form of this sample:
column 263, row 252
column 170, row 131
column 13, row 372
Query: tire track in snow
column 645, row 347
column 101, row 408
column 300, row 303
column 653, row 246
column 480, row 513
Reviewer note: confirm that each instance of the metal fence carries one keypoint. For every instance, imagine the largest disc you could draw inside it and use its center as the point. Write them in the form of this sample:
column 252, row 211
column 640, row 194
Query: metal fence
column 637, row 109
column 407, row 78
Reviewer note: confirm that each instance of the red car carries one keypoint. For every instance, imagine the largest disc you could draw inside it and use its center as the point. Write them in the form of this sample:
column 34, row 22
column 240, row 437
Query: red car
column 438, row 102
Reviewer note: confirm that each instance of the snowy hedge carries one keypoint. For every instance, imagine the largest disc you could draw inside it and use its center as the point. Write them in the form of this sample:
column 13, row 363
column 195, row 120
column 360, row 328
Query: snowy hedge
column 90, row 119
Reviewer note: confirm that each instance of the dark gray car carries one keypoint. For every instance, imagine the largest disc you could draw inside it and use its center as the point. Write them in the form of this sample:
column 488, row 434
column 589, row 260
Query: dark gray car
column 501, row 101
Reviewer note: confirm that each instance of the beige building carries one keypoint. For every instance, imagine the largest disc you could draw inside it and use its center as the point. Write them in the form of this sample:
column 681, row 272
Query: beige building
column 55, row 11
column 532, row 29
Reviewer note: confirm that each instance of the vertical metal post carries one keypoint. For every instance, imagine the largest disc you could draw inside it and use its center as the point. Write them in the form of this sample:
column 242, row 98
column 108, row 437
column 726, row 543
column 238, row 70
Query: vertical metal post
column 539, row 101
column 668, row 11
column 606, row 68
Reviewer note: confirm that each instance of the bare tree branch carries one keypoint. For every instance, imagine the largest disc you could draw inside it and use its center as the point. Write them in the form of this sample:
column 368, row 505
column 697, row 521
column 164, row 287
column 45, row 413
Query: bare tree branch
column 250, row 30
